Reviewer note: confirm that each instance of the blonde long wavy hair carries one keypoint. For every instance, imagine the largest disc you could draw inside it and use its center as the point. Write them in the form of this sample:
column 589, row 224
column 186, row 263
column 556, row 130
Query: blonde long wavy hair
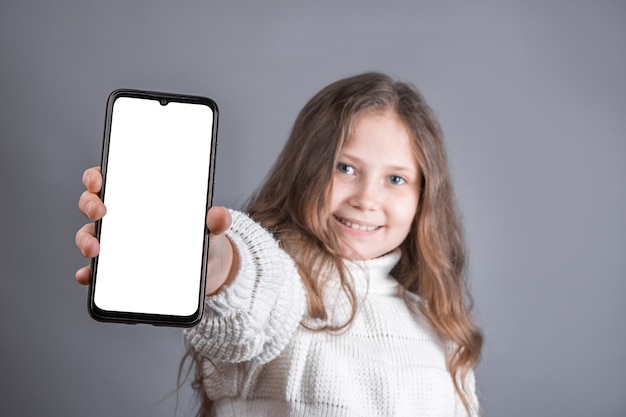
column 293, row 203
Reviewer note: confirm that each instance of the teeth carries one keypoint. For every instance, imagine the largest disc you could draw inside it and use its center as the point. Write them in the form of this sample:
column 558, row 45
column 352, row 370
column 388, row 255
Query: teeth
column 361, row 227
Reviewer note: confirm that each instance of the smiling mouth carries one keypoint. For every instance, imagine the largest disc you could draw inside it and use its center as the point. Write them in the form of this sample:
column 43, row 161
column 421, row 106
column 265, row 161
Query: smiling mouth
column 356, row 226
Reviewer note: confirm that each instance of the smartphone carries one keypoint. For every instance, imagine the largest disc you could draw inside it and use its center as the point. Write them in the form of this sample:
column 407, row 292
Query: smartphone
column 158, row 159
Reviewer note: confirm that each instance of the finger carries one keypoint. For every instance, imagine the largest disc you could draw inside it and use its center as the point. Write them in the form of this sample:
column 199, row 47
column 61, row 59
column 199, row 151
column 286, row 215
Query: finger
column 218, row 220
column 83, row 275
column 85, row 241
column 91, row 206
column 92, row 179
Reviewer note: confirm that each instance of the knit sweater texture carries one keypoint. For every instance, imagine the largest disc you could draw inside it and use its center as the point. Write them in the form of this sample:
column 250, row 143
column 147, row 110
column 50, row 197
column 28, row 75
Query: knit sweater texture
column 259, row 360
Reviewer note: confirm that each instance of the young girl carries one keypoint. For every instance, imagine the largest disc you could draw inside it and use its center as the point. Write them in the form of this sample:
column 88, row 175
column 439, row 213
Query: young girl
column 341, row 291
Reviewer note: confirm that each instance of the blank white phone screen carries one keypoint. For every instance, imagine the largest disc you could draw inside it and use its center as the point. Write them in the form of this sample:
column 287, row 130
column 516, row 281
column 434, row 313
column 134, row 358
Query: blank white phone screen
column 157, row 181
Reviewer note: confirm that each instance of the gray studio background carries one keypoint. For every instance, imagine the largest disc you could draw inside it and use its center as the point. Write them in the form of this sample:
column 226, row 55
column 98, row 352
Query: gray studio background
column 532, row 98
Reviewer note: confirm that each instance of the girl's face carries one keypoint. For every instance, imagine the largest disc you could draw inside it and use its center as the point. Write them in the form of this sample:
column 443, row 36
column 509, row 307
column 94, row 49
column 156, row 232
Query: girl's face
column 375, row 187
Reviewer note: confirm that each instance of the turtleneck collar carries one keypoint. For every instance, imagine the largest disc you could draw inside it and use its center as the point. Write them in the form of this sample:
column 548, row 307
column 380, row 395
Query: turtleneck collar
column 373, row 275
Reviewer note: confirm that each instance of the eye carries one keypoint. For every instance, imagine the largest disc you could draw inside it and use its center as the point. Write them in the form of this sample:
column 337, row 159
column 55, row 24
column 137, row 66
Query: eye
column 397, row 180
column 345, row 168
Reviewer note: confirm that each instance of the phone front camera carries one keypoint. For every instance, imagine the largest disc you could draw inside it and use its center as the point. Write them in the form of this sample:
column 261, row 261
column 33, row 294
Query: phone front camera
column 163, row 102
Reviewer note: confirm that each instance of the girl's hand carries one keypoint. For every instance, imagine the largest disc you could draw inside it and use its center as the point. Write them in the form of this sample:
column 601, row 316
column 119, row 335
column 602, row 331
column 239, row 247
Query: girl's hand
column 223, row 262
column 92, row 207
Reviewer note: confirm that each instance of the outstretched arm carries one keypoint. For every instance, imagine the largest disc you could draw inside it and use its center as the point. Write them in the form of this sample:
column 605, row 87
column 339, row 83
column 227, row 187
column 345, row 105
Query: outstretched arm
column 255, row 316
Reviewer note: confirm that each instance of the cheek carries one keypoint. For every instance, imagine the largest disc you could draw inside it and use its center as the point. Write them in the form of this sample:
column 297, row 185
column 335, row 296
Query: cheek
column 335, row 196
column 405, row 214
column 404, row 226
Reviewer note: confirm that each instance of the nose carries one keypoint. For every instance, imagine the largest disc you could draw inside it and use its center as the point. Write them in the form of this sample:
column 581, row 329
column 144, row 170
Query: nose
column 367, row 195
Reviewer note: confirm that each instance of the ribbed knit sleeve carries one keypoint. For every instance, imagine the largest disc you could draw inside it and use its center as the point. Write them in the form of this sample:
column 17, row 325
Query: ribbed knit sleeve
column 255, row 316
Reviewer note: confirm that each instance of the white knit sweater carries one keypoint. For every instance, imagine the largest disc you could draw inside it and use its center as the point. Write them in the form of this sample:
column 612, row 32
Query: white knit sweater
column 259, row 360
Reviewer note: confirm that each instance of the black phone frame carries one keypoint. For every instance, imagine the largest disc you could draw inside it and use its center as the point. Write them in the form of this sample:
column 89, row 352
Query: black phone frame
column 146, row 318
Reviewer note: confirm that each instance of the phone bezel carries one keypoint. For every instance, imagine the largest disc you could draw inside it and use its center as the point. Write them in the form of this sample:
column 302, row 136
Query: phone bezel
column 154, row 319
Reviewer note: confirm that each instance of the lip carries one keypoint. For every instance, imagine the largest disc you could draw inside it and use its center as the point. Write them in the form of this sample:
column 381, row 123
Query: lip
column 356, row 226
